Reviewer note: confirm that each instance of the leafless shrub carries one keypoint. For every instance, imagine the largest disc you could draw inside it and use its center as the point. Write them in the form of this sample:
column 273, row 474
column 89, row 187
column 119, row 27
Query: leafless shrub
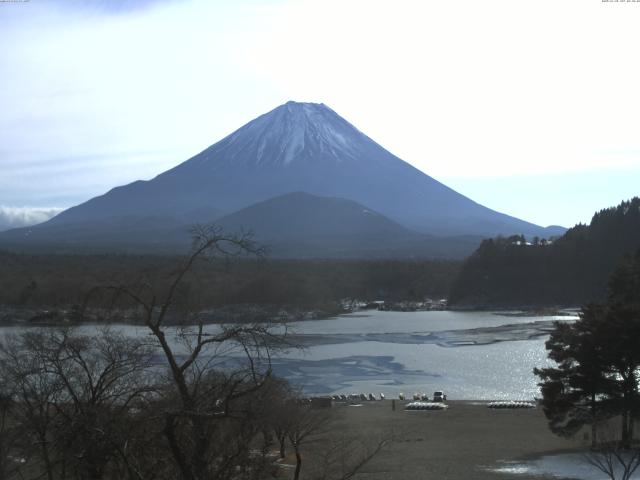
column 611, row 457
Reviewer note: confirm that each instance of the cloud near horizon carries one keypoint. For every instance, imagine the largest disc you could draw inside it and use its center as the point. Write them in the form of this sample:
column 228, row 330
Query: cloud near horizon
column 15, row 217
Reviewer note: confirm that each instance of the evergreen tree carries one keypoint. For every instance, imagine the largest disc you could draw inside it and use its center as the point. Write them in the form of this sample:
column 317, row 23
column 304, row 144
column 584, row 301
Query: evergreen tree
column 622, row 336
column 572, row 392
column 598, row 362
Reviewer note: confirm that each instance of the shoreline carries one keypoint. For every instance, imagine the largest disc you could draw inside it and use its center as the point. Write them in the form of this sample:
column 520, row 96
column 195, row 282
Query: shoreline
column 48, row 316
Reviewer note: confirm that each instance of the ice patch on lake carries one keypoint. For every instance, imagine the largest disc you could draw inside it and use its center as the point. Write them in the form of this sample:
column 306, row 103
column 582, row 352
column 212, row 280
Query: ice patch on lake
column 446, row 338
column 347, row 374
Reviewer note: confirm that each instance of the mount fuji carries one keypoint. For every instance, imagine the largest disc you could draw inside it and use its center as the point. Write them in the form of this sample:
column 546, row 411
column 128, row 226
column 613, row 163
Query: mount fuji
column 297, row 147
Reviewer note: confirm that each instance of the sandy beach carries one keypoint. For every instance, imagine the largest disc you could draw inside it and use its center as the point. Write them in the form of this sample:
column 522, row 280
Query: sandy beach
column 466, row 441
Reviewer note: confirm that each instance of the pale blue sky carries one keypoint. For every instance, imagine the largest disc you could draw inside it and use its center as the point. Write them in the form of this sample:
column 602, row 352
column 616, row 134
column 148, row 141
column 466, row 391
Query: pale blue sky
column 530, row 108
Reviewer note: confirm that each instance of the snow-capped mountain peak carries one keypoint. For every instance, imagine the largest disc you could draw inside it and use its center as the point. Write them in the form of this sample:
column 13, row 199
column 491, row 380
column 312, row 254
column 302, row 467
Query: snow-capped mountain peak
column 290, row 133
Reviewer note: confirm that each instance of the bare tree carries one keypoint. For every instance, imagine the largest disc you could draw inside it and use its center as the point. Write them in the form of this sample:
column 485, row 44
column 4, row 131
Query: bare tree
column 6, row 431
column 33, row 393
column 331, row 453
column 615, row 462
column 103, row 377
column 72, row 398
column 280, row 398
column 205, row 426
column 303, row 423
column 612, row 457
column 345, row 455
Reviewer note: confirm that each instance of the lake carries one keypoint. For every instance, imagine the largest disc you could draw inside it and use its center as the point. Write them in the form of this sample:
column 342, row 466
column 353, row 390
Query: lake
column 469, row 355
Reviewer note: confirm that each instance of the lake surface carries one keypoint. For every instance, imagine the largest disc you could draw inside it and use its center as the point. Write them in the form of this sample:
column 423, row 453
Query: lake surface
column 469, row 355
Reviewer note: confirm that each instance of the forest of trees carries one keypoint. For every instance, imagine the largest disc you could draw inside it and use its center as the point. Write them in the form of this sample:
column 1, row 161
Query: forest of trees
column 63, row 281
column 569, row 271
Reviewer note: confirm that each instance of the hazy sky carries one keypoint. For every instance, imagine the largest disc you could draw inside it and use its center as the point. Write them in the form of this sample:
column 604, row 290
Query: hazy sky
column 528, row 107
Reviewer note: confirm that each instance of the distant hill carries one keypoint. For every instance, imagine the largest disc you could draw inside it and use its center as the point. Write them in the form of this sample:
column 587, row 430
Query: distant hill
column 297, row 147
column 300, row 225
column 572, row 270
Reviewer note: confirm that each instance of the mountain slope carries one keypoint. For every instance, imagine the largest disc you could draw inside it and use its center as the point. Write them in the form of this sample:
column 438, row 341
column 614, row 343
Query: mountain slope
column 301, row 147
column 301, row 215
column 303, row 225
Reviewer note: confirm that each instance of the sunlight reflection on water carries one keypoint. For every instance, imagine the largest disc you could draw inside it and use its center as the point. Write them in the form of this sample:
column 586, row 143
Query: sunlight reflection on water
column 420, row 351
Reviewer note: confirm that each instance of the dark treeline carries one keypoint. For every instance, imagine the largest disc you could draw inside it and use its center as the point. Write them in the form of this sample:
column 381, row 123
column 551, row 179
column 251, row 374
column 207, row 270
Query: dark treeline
column 61, row 281
column 571, row 270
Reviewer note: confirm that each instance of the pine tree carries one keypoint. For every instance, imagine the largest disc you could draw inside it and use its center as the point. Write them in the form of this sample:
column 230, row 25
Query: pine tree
column 598, row 362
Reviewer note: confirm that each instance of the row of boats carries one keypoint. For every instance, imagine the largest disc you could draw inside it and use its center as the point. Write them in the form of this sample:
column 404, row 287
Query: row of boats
column 438, row 396
column 357, row 397
column 421, row 401
column 511, row 404
column 426, row 406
